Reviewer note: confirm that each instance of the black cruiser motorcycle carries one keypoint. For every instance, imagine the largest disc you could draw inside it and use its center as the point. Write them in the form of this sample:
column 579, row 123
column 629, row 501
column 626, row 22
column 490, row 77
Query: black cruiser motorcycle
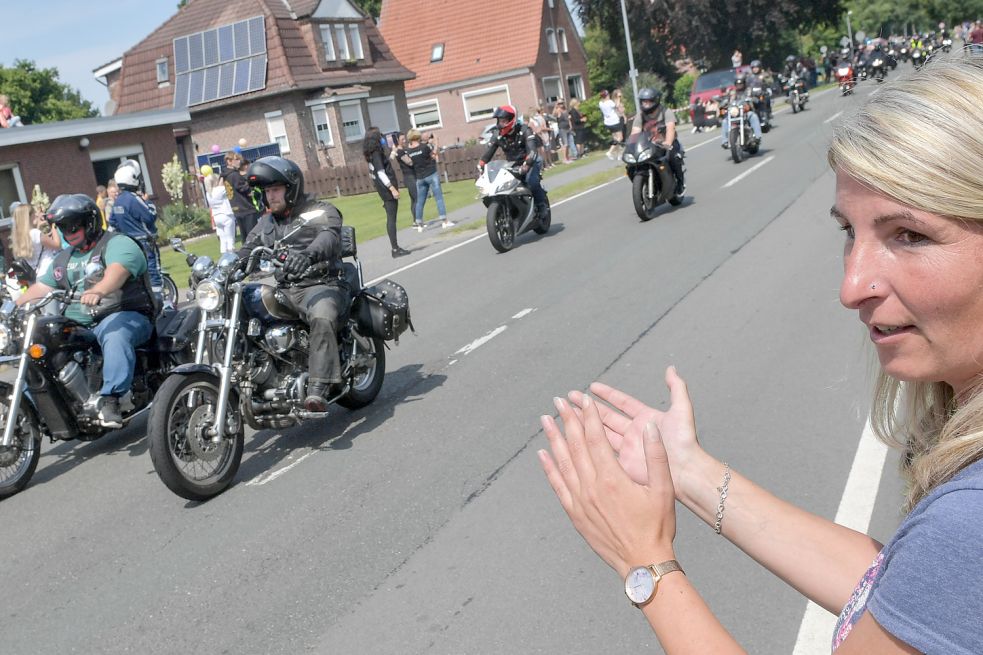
column 251, row 367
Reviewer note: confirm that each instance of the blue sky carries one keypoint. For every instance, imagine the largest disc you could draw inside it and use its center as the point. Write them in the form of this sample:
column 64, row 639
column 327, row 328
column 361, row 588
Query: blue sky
column 77, row 36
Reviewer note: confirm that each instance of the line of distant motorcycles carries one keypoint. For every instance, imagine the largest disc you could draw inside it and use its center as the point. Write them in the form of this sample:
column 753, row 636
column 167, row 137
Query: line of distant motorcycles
column 874, row 64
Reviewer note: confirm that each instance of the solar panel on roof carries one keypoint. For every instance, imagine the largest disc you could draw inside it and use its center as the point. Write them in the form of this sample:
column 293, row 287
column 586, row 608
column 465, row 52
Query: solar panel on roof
column 257, row 74
column 241, row 84
column 181, row 91
column 225, row 50
column 221, row 62
column 196, row 51
column 226, row 78
column 241, row 39
column 181, row 55
column 211, row 84
column 257, row 36
column 211, row 47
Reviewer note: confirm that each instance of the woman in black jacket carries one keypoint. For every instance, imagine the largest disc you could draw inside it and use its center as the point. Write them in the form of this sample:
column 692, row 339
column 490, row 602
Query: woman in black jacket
column 381, row 170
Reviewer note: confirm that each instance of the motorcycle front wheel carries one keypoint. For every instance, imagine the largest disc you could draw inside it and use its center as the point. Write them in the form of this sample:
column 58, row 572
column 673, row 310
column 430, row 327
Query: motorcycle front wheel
column 367, row 382
column 19, row 461
column 645, row 207
column 501, row 228
column 169, row 291
column 186, row 459
column 736, row 153
column 795, row 106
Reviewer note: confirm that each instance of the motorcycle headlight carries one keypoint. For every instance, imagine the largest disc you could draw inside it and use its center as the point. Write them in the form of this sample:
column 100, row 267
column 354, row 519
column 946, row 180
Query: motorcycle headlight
column 735, row 111
column 844, row 71
column 511, row 184
column 629, row 158
column 878, row 62
column 645, row 154
column 208, row 296
column 4, row 338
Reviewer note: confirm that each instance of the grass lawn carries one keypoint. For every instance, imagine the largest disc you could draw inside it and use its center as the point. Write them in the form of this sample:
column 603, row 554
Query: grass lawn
column 365, row 213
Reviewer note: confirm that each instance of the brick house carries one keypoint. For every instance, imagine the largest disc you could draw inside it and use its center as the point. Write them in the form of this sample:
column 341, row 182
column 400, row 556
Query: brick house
column 306, row 76
column 467, row 61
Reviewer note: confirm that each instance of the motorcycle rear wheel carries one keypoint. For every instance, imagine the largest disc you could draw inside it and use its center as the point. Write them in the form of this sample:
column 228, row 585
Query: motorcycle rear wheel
column 644, row 207
column 185, row 459
column 18, row 463
column 366, row 385
column 501, row 227
column 736, row 153
column 543, row 224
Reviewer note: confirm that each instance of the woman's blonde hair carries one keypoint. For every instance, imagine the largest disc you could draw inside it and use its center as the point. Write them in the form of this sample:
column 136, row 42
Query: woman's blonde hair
column 919, row 141
column 413, row 135
column 23, row 247
column 212, row 181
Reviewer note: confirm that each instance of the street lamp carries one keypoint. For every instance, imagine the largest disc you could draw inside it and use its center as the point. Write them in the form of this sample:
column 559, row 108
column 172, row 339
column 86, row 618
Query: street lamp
column 849, row 30
column 632, row 73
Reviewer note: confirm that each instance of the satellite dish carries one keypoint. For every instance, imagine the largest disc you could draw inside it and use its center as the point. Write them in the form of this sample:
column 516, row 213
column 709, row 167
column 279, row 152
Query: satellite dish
column 823, row 49
column 844, row 41
column 859, row 36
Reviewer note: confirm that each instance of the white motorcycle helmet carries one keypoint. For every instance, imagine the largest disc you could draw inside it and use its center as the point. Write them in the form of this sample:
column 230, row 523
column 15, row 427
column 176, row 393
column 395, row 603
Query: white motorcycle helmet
column 127, row 176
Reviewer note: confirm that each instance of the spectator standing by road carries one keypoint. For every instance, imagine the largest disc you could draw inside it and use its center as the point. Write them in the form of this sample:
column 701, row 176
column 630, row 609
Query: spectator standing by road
column 612, row 122
column 405, row 164
column 579, row 125
column 101, row 203
column 564, row 132
column 30, row 243
column 539, row 127
column 222, row 215
column 976, row 37
column 112, row 192
column 240, row 194
column 736, row 59
column 384, row 178
column 424, row 157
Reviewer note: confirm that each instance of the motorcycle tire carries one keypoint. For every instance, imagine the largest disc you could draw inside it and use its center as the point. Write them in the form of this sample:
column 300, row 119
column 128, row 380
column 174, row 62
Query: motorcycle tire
column 736, row 153
column 645, row 210
column 17, row 465
column 169, row 291
column 765, row 128
column 366, row 387
column 179, row 401
column 753, row 148
column 501, row 227
column 543, row 224
column 795, row 107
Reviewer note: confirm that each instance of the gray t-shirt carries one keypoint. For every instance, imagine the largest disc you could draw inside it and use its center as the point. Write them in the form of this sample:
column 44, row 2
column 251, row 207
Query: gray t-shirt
column 926, row 585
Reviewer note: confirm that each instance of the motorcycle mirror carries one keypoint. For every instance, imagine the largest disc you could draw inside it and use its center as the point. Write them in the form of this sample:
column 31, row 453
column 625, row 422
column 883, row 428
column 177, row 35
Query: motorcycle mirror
column 175, row 242
column 227, row 261
column 845, row 41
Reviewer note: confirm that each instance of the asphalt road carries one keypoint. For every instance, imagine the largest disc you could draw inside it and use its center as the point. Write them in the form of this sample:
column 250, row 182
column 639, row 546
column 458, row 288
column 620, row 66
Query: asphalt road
column 423, row 524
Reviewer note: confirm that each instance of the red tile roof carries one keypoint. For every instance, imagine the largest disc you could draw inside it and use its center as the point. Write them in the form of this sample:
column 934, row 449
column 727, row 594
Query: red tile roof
column 477, row 39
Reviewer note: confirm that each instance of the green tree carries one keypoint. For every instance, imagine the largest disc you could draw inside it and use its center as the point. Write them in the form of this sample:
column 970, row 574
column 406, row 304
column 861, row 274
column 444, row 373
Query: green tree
column 37, row 96
column 607, row 63
column 371, row 7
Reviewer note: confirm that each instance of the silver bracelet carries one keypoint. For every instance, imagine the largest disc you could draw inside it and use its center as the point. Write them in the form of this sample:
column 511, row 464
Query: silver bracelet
column 723, row 498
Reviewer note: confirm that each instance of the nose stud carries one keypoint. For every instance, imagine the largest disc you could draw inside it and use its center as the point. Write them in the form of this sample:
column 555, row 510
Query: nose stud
column 873, row 286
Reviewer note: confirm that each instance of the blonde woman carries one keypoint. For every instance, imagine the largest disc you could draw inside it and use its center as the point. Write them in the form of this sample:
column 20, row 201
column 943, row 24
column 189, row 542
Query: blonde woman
column 913, row 273
column 32, row 244
column 222, row 216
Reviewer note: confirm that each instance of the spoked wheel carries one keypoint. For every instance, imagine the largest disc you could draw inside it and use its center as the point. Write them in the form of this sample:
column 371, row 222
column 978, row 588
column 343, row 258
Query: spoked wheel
column 645, row 207
column 169, row 291
column 736, row 153
column 370, row 369
column 501, row 227
column 18, row 462
column 185, row 457
column 543, row 225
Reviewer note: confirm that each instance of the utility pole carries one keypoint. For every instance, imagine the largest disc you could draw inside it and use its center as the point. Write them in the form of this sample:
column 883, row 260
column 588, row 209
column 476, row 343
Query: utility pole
column 849, row 30
column 632, row 73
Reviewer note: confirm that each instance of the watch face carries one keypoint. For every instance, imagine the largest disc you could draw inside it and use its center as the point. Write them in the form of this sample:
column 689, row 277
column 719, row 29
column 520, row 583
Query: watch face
column 639, row 584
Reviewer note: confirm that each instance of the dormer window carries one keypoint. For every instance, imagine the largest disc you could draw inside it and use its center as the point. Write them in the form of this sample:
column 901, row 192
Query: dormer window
column 551, row 40
column 342, row 42
column 437, row 52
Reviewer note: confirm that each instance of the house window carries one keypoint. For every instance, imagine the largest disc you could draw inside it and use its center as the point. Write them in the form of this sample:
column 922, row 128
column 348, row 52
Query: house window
column 328, row 43
column 437, row 52
column 319, row 113
column 562, row 34
column 278, row 130
column 482, row 103
column 351, row 120
column 355, row 39
column 105, row 162
column 382, row 114
column 162, row 72
column 11, row 187
column 575, row 85
column 551, row 40
column 552, row 90
column 425, row 114
column 341, row 41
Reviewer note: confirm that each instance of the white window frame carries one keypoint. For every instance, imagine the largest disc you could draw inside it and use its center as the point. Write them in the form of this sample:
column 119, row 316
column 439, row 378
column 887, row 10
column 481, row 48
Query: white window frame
column 165, row 79
column 361, row 120
column 327, row 122
column 379, row 100
column 122, row 153
column 437, row 52
column 355, row 44
column 580, row 85
column 562, row 38
column 546, row 95
column 271, row 122
column 342, row 50
column 551, row 41
column 465, row 96
column 432, row 102
column 18, row 183
column 327, row 38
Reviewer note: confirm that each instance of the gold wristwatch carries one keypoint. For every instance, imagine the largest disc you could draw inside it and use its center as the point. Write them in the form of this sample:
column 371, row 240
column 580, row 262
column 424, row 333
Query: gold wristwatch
column 642, row 582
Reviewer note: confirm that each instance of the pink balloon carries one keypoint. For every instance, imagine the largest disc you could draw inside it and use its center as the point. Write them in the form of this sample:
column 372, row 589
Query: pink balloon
column 216, row 148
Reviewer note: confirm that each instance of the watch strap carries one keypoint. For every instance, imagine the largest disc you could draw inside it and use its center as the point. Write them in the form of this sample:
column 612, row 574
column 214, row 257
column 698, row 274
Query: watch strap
column 668, row 566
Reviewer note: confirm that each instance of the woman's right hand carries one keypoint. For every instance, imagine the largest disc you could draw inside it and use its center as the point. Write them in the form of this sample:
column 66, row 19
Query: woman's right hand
column 625, row 420
column 393, row 190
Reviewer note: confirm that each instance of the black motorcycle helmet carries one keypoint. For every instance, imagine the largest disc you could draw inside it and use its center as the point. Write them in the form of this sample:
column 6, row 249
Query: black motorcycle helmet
column 72, row 211
column 740, row 82
column 270, row 171
column 649, row 99
column 756, row 66
column 790, row 60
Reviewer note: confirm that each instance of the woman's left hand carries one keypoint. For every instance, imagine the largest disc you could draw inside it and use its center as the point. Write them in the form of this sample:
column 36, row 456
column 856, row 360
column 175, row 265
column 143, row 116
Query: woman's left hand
column 626, row 523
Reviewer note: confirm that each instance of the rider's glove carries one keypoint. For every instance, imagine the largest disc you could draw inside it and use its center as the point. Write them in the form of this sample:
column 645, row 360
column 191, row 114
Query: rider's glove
column 296, row 263
column 481, row 167
column 525, row 168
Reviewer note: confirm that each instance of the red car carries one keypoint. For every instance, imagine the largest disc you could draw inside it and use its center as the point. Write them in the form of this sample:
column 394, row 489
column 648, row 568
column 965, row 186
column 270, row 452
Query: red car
column 709, row 84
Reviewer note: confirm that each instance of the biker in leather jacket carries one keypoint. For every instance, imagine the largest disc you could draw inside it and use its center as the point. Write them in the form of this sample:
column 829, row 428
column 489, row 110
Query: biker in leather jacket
column 311, row 231
column 518, row 144
column 652, row 116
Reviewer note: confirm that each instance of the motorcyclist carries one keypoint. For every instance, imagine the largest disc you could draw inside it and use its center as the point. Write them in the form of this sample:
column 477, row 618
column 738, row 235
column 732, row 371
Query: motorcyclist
column 310, row 281
column 519, row 144
column 659, row 121
column 136, row 218
column 757, row 78
column 116, row 302
column 736, row 95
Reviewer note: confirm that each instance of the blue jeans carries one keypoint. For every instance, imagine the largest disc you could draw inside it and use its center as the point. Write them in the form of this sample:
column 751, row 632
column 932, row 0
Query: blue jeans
column 153, row 264
column 532, row 179
column 571, row 144
column 119, row 335
column 423, row 187
column 755, row 127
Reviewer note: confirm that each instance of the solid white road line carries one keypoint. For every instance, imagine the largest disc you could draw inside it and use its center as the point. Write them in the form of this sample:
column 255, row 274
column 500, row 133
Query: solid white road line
column 856, row 507
column 480, row 341
column 833, row 117
column 525, row 312
column 748, row 172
